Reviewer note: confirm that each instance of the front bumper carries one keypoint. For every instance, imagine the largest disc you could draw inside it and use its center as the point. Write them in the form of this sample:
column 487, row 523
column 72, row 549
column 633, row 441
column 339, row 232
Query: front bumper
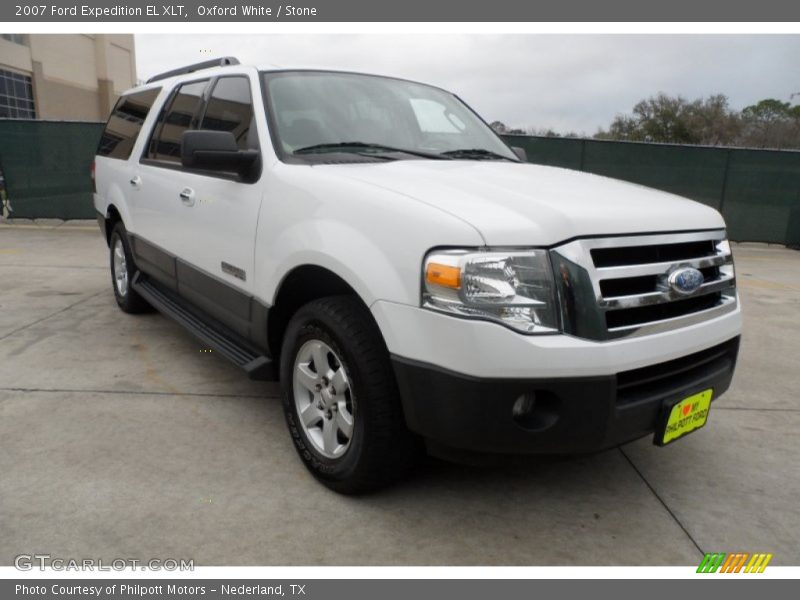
column 488, row 350
column 570, row 414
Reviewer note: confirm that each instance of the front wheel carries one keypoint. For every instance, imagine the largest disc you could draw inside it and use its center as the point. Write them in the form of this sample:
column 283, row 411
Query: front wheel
column 340, row 398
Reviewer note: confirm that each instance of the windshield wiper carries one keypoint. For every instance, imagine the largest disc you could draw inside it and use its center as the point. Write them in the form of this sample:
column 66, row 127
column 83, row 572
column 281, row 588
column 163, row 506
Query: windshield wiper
column 476, row 153
column 365, row 149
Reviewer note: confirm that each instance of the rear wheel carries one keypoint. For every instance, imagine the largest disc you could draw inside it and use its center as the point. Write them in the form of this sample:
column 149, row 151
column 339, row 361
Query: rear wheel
column 340, row 398
column 122, row 272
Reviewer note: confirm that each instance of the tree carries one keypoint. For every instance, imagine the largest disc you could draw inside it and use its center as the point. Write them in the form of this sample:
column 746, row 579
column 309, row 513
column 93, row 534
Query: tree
column 504, row 129
column 771, row 123
column 499, row 127
column 669, row 119
column 713, row 122
column 710, row 121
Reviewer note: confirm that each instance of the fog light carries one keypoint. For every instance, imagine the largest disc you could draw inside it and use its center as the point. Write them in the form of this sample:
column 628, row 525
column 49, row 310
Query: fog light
column 536, row 410
column 523, row 406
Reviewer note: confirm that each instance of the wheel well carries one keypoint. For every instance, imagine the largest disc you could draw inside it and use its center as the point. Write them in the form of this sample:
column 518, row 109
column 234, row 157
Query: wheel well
column 112, row 218
column 299, row 287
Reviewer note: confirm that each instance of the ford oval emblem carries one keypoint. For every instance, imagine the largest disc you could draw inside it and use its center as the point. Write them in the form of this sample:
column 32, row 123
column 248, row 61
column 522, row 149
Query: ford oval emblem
column 685, row 280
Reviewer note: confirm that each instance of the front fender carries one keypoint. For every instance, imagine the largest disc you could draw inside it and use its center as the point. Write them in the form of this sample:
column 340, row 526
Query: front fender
column 359, row 262
column 373, row 238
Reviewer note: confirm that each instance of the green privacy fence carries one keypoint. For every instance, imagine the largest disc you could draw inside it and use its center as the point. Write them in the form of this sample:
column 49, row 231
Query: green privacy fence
column 758, row 191
column 46, row 167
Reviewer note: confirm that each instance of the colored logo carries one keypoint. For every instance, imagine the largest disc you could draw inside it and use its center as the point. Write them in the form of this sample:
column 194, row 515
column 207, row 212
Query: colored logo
column 686, row 280
column 737, row 562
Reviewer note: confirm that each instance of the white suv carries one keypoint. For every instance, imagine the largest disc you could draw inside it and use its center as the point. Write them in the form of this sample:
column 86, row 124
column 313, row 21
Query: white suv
column 411, row 281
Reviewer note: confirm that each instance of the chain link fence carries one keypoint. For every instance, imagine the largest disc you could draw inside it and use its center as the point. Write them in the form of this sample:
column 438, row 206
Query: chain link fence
column 45, row 167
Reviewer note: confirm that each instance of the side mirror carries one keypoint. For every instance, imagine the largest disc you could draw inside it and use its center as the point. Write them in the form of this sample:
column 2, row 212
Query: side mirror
column 215, row 151
column 520, row 152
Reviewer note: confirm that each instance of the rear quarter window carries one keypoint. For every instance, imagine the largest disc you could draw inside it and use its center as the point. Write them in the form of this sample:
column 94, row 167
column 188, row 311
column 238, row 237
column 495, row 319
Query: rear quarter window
column 125, row 123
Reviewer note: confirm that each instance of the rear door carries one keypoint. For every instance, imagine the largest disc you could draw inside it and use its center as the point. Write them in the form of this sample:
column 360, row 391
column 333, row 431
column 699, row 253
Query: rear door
column 161, row 218
column 113, row 167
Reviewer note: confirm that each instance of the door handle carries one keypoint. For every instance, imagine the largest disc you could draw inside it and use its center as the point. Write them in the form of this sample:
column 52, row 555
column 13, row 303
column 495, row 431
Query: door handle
column 187, row 196
column 136, row 182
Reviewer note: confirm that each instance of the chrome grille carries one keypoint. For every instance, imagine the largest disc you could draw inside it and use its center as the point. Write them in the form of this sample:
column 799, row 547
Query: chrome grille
column 616, row 287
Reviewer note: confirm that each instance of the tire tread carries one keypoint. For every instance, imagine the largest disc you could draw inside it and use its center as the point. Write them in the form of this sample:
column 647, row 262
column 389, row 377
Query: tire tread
column 132, row 303
column 390, row 450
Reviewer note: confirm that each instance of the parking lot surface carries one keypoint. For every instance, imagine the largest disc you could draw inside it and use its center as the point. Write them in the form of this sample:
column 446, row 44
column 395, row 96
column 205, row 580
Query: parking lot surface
column 120, row 438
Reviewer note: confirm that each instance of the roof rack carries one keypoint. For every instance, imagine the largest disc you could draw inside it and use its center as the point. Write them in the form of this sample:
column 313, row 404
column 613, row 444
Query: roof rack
column 207, row 64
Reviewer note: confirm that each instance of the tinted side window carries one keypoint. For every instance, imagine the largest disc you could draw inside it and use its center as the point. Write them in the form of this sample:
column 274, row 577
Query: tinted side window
column 230, row 108
column 125, row 123
column 174, row 120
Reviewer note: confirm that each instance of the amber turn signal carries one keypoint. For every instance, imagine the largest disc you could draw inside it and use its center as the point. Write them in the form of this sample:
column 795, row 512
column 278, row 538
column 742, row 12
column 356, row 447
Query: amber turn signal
column 444, row 275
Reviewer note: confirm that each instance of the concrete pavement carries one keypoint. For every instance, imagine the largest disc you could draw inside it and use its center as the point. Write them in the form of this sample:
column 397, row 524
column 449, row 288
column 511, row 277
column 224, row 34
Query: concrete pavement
column 119, row 438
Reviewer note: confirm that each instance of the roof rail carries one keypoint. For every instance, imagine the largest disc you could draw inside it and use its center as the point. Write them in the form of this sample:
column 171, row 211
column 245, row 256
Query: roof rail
column 207, row 64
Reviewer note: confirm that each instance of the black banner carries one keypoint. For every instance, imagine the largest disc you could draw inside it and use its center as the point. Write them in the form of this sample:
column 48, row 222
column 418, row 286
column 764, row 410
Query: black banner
column 418, row 589
column 405, row 11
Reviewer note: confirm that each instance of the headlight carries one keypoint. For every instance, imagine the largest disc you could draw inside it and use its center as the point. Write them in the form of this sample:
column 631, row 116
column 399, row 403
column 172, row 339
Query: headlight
column 514, row 288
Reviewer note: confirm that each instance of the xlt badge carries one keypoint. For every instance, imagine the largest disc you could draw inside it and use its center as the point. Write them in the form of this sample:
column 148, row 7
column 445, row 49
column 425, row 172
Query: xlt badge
column 235, row 271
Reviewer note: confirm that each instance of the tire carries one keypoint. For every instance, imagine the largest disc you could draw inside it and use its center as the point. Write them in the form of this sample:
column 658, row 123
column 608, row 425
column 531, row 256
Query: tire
column 122, row 271
column 379, row 449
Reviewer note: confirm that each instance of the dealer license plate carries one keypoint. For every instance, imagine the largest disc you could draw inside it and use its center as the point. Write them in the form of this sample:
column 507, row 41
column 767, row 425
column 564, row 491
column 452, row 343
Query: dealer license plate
column 684, row 417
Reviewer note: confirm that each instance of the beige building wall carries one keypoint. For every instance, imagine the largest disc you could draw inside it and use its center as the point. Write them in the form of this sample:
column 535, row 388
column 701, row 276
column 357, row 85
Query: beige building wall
column 75, row 76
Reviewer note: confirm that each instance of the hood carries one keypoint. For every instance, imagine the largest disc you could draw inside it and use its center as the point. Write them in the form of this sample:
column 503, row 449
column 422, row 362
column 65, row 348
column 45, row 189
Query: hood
column 526, row 204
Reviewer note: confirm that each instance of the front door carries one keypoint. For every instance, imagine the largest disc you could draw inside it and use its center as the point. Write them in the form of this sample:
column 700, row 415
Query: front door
column 206, row 221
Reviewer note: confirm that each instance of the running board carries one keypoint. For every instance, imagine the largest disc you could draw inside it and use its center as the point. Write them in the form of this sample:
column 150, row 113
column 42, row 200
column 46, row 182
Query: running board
column 256, row 365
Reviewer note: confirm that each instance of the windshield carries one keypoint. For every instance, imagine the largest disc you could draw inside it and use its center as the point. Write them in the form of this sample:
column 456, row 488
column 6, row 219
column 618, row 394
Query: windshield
column 319, row 112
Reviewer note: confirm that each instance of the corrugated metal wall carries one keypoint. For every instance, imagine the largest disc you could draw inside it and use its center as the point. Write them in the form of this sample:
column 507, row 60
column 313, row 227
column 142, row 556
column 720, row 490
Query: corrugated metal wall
column 46, row 167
